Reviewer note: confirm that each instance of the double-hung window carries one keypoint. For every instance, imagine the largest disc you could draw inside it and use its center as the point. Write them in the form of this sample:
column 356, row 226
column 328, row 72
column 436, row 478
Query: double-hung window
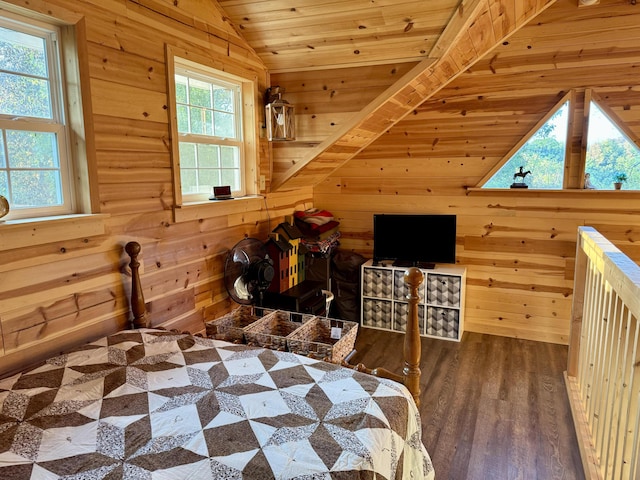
column 210, row 132
column 35, row 165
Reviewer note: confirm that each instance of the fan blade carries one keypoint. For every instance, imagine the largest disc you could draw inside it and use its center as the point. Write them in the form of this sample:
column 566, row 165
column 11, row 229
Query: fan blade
column 241, row 290
column 240, row 256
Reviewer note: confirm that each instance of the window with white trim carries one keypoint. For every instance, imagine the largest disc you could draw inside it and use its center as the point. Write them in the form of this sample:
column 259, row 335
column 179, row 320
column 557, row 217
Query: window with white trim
column 35, row 163
column 209, row 119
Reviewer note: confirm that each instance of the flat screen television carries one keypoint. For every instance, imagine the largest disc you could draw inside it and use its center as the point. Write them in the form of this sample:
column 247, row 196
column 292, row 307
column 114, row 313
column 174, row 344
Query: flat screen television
column 414, row 240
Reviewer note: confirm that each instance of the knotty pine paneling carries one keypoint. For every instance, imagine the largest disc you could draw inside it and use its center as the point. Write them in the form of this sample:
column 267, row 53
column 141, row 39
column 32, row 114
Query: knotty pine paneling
column 325, row 100
column 32, row 328
column 343, row 33
column 170, row 307
column 127, row 68
column 56, row 295
column 518, row 247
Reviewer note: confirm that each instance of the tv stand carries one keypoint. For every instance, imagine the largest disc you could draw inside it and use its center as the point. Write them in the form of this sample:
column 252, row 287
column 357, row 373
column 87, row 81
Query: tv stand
column 407, row 263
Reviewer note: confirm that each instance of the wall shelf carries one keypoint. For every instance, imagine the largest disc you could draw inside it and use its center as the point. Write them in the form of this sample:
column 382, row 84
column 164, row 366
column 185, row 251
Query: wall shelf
column 536, row 192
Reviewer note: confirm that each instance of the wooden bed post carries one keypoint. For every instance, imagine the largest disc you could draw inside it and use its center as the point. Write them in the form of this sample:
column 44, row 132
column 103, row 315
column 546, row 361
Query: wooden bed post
column 412, row 353
column 412, row 347
column 137, row 299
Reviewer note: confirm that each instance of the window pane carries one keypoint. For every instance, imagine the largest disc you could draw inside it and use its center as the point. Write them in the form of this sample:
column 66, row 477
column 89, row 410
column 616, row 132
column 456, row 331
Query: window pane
column 230, row 157
column 24, row 96
column 35, row 188
column 22, row 53
column 609, row 153
column 199, row 93
column 181, row 89
column 189, row 181
column 187, row 155
column 207, row 179
column 183, row 119
column 224, row 125
column 208, row 156
column 208, row 125
column 197, row 120
column 3, row 160
column 231, row 177
column 32, row 149
column 4, row 184
column 223, row 99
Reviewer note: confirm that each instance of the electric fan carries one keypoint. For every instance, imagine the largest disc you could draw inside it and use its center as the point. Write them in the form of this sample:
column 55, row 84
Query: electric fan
column 248, row 271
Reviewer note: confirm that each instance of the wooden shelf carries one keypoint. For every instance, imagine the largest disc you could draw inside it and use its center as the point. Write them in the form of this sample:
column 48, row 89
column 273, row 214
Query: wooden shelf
column 535, row 192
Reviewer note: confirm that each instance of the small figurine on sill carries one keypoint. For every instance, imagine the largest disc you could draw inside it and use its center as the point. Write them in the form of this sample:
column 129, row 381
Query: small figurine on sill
column 521, row 174
column 587, row 182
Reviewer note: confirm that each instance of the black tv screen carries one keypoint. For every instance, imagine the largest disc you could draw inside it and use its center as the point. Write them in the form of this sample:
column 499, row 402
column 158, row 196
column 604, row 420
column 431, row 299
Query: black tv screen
column 414, row 240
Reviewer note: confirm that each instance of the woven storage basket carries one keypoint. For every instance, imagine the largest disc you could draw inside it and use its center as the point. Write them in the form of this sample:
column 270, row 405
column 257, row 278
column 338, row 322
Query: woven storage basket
column 314, row 339
column 271, row 330
column 230, row 327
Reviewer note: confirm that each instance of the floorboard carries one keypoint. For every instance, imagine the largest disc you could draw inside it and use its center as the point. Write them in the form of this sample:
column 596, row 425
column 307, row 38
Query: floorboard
column 492, row 407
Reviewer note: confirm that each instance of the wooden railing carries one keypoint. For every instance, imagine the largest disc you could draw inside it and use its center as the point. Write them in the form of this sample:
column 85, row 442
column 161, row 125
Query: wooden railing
column 603, row 374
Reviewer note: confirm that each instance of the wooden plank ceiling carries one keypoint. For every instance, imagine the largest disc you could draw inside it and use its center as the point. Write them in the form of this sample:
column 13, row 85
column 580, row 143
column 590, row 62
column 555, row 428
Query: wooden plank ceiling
column 445, row 36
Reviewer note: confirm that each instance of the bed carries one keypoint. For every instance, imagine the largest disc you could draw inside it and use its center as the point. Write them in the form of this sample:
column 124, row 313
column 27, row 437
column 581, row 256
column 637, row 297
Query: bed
column 147, row 403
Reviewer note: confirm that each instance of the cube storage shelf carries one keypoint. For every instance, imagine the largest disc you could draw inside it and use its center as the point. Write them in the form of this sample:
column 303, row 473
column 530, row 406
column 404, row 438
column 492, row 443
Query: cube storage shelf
column 440, row 308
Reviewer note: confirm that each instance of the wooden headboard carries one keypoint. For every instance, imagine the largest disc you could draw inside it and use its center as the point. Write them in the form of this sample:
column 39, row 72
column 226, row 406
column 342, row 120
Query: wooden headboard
column 410, row 376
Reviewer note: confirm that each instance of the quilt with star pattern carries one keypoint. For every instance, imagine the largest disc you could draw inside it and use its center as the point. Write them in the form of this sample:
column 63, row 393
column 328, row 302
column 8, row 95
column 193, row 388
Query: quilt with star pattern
column 151, row 404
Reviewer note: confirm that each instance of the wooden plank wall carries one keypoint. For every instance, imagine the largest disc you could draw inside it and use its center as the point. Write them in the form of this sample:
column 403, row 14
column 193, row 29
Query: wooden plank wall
column 59, row 294
column 325, row 99
column 519, row 247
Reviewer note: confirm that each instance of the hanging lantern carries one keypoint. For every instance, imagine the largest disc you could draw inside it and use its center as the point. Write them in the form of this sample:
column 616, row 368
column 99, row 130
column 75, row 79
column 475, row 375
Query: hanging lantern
column 280, row 117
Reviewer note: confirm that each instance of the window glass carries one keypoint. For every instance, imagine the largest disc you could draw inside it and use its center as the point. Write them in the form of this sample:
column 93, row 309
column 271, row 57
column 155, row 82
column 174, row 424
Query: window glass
column 224, row 125
column 35, row 188
column 23, row 53
column 539, row 163
column 610, row 154
column 32, row 149
column 210, row 136
column 34, row 163
column 209, row 156
column 199, row 93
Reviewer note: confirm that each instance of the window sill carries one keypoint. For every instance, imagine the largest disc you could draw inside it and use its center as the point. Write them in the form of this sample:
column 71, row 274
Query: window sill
column 532, row 192
column 216, row 208
column 30, row 232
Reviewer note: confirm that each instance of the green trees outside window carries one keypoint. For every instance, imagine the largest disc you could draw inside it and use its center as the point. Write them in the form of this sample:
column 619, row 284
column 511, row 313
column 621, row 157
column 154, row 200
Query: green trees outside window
column 34, row 169
column 543, row 155
column 610, row 154
column 208, row 111
column 610, row 157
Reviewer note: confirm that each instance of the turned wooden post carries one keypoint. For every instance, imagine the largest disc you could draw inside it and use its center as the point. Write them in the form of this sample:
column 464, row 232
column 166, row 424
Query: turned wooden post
column 412, row 346
column 137, row 299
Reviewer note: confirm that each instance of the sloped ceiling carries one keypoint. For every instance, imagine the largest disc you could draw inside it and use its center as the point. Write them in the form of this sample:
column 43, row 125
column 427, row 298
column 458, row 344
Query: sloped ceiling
column 446, row 36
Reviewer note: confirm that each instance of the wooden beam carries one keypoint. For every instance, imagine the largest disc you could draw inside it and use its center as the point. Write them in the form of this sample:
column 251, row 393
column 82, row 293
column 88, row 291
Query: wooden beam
column 475, row 29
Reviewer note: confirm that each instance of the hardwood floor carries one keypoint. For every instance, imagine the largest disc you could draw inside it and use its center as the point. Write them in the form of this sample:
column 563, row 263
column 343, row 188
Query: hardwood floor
column 493, row 408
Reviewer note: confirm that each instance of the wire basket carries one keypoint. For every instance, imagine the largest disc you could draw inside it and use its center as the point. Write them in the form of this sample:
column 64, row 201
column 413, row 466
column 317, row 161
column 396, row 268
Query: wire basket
column 326, row 338
column 230, row 327
column 271, row 330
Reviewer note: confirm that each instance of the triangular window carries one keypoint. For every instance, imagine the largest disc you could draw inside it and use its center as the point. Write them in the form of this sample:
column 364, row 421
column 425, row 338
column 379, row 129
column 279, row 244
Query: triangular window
column 610, row 153
column 538, row 160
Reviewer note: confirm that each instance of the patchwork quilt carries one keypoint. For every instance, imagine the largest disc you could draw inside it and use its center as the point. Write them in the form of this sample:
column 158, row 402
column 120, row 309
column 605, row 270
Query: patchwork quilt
column 151, row 404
